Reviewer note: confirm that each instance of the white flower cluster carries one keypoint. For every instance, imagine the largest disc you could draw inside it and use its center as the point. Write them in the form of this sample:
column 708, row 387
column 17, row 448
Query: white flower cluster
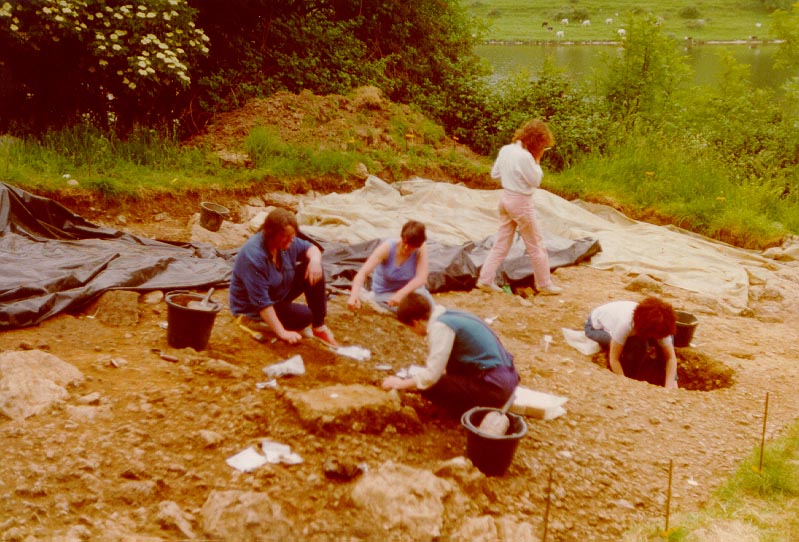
column 150, row 42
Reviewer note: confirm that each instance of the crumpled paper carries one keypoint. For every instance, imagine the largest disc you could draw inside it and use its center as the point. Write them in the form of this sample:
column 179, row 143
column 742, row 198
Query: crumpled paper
column 357, row 353
column 292, row 366
column 274, row 452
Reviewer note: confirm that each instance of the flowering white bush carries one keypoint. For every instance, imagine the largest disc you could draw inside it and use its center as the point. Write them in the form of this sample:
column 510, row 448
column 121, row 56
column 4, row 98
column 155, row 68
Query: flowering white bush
column 146, row 46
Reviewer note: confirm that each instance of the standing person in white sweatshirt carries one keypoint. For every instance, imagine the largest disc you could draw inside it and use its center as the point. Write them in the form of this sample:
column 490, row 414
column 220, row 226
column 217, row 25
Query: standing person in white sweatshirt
column 517, row 166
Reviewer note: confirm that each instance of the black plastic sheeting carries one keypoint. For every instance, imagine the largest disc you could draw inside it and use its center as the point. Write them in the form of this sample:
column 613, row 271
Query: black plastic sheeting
column 457, row 267
column 52, row 261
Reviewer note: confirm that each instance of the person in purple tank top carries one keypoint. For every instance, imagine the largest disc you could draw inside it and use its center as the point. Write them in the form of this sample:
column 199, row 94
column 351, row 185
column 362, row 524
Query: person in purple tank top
column 397, row 268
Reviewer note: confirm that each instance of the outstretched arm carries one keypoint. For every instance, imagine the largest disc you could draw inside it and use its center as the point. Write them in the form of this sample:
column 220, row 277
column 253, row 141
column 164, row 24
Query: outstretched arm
column 378, row 255
column 671, row 367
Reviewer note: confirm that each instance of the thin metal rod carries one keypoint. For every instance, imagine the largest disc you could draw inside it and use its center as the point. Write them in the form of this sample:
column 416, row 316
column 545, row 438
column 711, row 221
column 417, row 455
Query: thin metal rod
column 763, row 437
column 668, row 496
column 546, row 510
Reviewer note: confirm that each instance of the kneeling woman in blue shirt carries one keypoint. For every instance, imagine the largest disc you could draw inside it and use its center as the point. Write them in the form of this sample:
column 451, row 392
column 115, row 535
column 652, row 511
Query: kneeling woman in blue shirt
column 272, row 269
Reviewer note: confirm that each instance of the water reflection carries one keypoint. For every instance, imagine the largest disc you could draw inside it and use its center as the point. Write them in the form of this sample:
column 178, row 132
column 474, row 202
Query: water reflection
column 579, row 61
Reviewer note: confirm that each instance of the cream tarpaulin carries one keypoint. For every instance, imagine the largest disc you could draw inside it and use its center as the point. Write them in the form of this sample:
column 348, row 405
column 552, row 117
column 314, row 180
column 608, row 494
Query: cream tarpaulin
column 455, row 214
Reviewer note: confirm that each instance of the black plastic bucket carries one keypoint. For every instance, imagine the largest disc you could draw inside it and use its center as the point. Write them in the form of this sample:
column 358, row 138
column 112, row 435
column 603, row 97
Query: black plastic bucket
column 187, row 326
column 491, row 454
column 686, row 325
column 212, row 215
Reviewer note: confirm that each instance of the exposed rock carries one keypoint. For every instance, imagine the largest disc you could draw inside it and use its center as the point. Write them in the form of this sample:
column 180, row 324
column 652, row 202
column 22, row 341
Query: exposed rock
column 153, row 298
column 223, row 369
column 361, row 171
column 170, row 516
column 644, row 284
column 118, row 308
column 368, row 97
column 352, row 407
column 245, row 516
column 404, row 499
column 231, row 158
column 229, row 235
column 32, row 381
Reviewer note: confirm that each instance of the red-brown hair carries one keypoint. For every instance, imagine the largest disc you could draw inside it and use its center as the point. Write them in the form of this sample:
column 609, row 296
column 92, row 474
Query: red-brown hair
column 653, row 318
column 534, row 135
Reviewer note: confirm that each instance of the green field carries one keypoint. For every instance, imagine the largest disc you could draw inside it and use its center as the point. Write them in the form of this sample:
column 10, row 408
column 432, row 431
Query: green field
column 524, row 20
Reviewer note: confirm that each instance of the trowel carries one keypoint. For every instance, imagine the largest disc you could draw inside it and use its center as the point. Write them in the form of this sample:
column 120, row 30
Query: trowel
column 496, row 423
column 202, row 305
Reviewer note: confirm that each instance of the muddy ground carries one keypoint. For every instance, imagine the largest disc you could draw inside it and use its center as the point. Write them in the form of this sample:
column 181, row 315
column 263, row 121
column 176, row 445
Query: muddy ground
column 104, row 477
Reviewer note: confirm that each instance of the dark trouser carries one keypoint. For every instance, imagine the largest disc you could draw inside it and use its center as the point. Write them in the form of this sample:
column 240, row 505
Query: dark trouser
column 295, row 316
column 459, row 392
column 644, row 360
column 640, row 359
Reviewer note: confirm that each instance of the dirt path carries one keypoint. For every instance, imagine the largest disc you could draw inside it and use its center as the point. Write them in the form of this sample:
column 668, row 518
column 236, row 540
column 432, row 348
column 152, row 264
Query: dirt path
column 103, row 477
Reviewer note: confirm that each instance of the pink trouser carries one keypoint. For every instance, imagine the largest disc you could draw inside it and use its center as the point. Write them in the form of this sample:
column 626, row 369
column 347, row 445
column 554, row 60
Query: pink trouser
column 517, row 210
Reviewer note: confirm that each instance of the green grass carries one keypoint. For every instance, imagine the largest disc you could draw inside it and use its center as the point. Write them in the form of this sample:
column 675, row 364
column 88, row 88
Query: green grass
column 649, row 177
column 146, row 163
column 757, row 504
column 522, row 20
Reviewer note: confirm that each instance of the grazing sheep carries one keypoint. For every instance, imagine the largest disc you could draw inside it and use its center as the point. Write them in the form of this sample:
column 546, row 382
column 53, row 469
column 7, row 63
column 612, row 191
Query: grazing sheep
column 758, row 25
column 544, row 24
column 550, row 29
column 622, row 32
column 564, row 22
column 609, row 20
column 586, row 23
column 560, row 34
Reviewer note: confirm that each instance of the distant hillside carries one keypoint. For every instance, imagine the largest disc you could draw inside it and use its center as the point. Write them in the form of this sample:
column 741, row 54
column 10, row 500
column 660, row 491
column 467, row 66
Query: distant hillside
column 546, row 21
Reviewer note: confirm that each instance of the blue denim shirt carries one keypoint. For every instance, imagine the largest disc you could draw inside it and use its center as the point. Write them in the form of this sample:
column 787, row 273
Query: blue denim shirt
column 256, row 283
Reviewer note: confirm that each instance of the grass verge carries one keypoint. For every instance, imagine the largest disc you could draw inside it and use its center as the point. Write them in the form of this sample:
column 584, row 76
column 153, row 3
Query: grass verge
column 754, row 505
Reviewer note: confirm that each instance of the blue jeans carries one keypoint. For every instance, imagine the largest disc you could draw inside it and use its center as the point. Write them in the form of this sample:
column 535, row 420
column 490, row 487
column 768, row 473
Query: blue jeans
column 598, row 335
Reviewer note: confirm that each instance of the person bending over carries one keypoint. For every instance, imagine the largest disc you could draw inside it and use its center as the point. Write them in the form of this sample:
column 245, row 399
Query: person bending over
column 639, row 338
column 272, row 269
column 466, row 365
column 400, row 267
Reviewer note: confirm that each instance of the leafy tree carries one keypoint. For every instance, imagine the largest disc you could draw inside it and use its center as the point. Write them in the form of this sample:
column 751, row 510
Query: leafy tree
column 418, row 51
column 641, row 83
column 785, row 27
column 577, row 122
column 116, row 62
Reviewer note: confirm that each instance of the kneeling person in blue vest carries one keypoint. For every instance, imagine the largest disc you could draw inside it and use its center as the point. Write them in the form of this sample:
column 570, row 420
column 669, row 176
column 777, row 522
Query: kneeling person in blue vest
column 466, row 364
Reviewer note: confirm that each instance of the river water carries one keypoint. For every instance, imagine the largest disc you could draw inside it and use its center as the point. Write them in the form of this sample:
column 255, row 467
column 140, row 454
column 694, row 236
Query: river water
column 579, row 61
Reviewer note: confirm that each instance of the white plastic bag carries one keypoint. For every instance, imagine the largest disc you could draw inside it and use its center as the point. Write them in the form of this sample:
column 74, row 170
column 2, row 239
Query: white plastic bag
column 578, row 340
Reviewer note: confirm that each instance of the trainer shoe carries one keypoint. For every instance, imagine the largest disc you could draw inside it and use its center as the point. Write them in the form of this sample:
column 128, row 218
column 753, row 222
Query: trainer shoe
column 326, row 336
column 550, row 290
column 489, row 287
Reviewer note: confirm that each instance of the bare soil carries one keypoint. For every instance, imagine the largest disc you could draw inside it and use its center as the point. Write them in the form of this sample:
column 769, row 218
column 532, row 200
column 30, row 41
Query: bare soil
column 609, row 455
